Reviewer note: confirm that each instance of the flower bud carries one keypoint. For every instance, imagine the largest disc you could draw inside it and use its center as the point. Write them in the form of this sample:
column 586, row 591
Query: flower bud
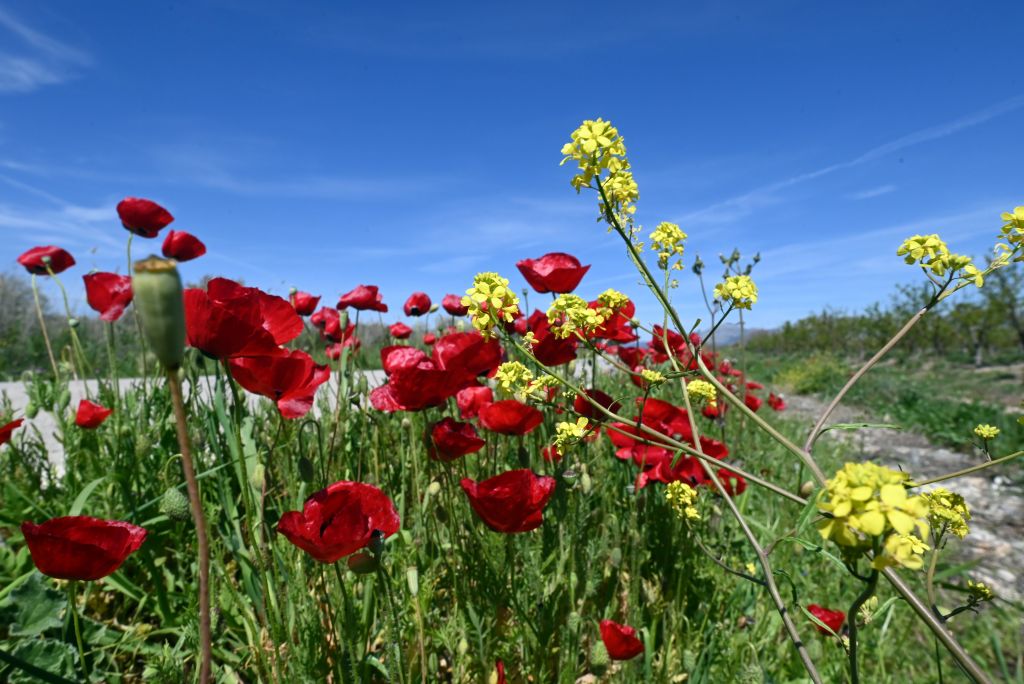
column 412, row 578
column 160, row 303
column 72, row 322
column 434, row 488
column 362, row 563
column 433, row 308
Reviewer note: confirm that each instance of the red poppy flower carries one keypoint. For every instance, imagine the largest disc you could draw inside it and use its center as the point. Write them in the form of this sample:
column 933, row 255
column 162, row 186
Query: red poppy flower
column 414, row 381
column 276, row 315
column 429, row 339
column 363, row 298
column 583, row 407
column 733, row 483
column 108, row 294
column 500, row 669
column 453, row 304
column 182, row 246
column 417, row 304
column 333, row 351
column 303, row 302
column 752, row 401
column 550, row 349
column 328, row 320
column 555, row 272
column 143, row 217
column 618, row 328
column 290, row 381
column 776, row 402
column 33, row 260
column 7, row 430
column 91, row 415
column 340, row 520
column 620, row 640
column 79, row 547
column 400, row 331
column 716, row 411
column 226, row 329
column 550, row 454
column 833, row 618
column 467, row 354
column 510, row 417
column 450, row 439
column 471, row 399
column 511, row 502
column 686, row 469
column 632, row 356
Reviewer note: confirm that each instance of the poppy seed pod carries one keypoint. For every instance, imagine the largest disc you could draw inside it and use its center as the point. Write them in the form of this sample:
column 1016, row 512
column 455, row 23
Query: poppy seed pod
column 159, row 299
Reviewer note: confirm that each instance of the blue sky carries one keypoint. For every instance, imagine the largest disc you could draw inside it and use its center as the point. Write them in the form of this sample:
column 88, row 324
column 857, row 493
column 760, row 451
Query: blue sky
column 410, row 145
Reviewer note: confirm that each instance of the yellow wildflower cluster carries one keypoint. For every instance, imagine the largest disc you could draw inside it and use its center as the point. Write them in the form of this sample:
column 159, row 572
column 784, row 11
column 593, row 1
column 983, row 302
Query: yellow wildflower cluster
column 652, row 377
column 867, row 503
column 667, row 240
column 1013, row 232
column 490, row 302
column 569, row 313
column 932, row 254
column 513, row 377
column 739, row 291
column 986, row 432
column 613, row 299
column 538, row 387
column 567, row 434
column 702, row 390
column 979, row 592
column 681, row 497
column 947, row 510
column 597, row 147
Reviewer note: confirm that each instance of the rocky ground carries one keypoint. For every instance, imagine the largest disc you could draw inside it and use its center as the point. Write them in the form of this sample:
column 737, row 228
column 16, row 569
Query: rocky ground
column 996, row 541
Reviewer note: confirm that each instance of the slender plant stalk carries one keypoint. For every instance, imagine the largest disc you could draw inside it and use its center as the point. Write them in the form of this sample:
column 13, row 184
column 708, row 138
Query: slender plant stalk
column 200, row 524
column 868, row 592
column 967, row 471
column 42, row 327
column 73, row 607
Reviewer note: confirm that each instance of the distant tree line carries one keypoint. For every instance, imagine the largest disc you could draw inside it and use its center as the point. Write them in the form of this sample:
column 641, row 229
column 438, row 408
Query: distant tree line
column 979, row 327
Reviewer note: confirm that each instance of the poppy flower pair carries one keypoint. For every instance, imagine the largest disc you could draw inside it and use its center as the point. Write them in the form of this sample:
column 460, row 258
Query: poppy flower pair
column 80, row 547
column 363, row 298
column 511, row 502
column 38, row 259
column 339, row 520
column 556, row 272
column 228, row 320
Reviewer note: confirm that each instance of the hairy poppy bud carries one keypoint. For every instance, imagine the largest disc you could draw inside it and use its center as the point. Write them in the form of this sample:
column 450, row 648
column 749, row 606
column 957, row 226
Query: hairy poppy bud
column 174, row 505
column 412, row 578
column 160, row 302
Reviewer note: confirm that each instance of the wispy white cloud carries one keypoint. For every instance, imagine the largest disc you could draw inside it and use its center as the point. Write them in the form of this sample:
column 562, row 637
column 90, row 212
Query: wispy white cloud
column 741, row 206
column 42, row 60
column 873, row 192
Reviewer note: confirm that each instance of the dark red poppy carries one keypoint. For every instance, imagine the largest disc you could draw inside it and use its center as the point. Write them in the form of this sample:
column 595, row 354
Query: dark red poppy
column 833, row 618
column 143, row 217
column 35, row 260
column 555, row 272
column 91, row 415
column 511, row 502
column 414, row 381
column 352, row 343
column 289, row 380
column 776, row 402
column 752, row 401
column 340, row 520
column 429, row 339
column 417, row 304
column 619, row 327
column 182, row 246
column 363, row 298
column 108, row 294
column 450, row 439
column 226, row 329
column 471, row 399
column 686, row 469
column 79, row 547
column 453, row 304
column 303, row 302
column 620, row 640
column 276, row 315
column 499, row 667
column 467, row 354
column 550, row 349
column 400, row 331
column 583, row 407
column 716, row 411
column 632, row 356
column 510, row 417
column 328, row 320
column 7, row 430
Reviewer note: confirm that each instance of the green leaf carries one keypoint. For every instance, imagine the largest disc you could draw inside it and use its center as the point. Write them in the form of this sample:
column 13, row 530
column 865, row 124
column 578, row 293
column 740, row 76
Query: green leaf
column 47, row 660
column 83, row 496
column 33, row 608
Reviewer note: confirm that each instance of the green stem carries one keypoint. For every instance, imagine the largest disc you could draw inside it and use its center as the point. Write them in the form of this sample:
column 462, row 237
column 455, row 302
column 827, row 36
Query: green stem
column 42, row 327
column 73, row 607
column 967, row 471
column 851, row 616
